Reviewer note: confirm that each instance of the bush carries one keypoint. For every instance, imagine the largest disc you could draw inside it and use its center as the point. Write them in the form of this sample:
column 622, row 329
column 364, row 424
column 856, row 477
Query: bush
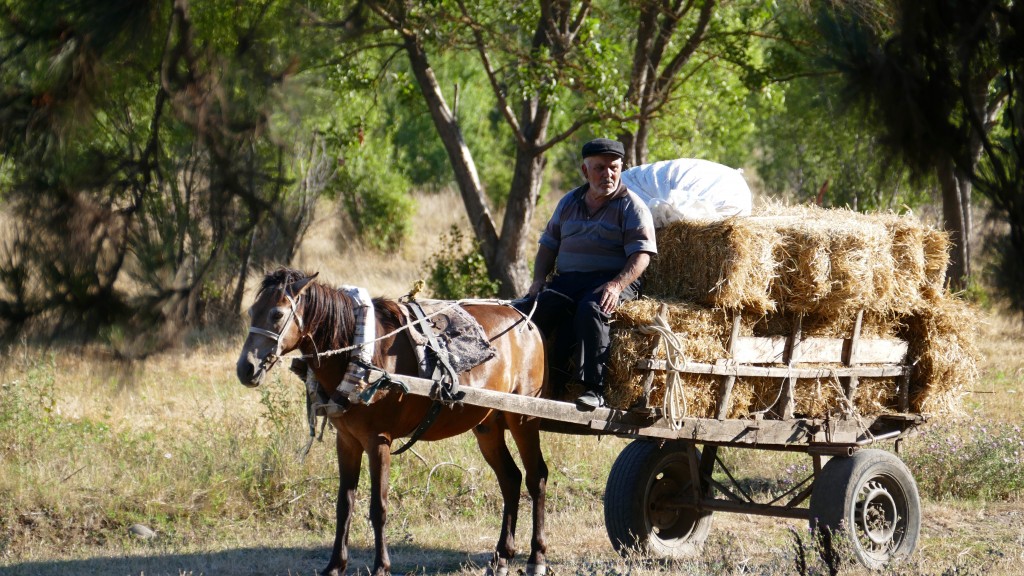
column 459, row 271
column 376, row 198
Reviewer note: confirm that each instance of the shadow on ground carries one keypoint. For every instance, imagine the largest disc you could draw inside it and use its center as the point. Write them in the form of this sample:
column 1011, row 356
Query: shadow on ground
column 252, row 562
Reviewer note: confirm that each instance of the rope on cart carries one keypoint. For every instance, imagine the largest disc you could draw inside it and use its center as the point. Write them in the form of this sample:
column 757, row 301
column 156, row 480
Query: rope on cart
column 675, row 361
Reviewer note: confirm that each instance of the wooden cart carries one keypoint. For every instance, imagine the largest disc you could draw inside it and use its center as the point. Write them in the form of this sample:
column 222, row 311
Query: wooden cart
column 665, row 485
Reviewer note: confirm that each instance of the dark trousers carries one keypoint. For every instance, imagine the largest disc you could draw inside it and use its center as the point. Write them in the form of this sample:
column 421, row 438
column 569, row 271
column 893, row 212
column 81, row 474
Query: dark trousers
column 569, row 310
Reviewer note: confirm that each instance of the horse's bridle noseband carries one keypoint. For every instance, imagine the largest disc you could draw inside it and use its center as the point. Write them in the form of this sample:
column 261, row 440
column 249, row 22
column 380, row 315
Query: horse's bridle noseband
column 268, row 361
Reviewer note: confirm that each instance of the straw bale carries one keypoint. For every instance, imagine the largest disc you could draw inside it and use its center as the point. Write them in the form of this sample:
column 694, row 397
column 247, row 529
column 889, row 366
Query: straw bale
column 799, row 258
column 727, row 264
column 908, row 252
column 936, row 257
column 814, row 398
column 941, row 337
column 833, row 260
column 838, row 325
column 701, row 332
column 877, row 396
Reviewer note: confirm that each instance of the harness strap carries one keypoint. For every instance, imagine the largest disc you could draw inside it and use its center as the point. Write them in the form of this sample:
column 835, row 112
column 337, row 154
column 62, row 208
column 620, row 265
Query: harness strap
column 446, row 385
column 428, row 421
column 443, row 371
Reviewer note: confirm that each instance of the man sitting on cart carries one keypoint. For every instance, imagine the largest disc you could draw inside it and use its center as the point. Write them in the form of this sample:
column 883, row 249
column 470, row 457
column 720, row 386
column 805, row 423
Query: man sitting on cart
column 597, row 243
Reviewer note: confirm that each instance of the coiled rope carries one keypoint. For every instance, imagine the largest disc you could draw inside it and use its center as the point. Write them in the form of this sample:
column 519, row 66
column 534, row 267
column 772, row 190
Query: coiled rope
column 674, row 402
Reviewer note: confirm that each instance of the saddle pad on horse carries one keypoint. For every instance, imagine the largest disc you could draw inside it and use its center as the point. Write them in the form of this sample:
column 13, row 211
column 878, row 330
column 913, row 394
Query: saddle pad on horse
column 461, row 338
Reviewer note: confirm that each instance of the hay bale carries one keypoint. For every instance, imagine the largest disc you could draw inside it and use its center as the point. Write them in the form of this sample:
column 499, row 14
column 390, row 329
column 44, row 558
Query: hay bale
column 936, row 257
column 805, row 259
column 722, row 264
column 812, row 398
column 877, row 396
column 907, row 234
column 942, row 347
column 833, row 260
column 701, row 332
column 838, row 325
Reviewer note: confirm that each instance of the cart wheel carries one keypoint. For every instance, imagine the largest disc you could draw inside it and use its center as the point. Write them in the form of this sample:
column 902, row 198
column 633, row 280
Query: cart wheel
column 871, row 499
column 648, row 502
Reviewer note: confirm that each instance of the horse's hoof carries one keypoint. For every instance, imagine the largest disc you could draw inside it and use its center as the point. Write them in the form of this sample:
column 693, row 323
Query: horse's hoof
column 500, row 571
column 536, row 569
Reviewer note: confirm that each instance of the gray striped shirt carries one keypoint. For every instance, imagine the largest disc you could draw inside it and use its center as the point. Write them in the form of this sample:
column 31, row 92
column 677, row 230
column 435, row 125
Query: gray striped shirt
column 602, row 241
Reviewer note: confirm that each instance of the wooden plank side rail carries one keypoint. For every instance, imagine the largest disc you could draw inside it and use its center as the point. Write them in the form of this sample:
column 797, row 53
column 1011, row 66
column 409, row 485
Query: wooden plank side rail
column 726, row 368
column 729, row 380
column 852, row 358
column 772, row 349
column 786, row 405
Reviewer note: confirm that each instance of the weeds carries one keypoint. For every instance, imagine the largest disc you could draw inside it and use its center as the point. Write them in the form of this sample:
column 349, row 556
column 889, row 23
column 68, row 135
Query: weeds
column 971, row 459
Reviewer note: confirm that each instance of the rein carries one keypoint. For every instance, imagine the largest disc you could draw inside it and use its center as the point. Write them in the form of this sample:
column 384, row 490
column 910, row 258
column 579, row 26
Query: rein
column 455, row 304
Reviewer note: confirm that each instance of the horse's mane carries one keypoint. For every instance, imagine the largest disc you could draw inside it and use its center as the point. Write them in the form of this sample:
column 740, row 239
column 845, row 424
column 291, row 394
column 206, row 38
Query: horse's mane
column 327, row 311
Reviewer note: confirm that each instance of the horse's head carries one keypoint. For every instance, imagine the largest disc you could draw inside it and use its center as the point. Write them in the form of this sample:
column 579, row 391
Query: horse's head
column 276, row 325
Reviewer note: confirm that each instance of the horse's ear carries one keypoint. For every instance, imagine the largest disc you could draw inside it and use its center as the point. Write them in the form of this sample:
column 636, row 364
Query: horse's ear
column 299, row 286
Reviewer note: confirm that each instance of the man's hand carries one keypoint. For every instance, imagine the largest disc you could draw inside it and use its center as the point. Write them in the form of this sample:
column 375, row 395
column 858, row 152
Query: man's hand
column 610, row 292
column 535, row 288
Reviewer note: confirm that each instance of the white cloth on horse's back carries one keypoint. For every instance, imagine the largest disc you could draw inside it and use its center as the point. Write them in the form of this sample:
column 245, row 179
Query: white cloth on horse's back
column 689, row 189
column 365, row 329
column 462, row 338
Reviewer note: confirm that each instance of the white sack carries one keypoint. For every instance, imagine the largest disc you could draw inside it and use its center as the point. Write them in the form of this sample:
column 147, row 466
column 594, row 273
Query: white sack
column 689, row 189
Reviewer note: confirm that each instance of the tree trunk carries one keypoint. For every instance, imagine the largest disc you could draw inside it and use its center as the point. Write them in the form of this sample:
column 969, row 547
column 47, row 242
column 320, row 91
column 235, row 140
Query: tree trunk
column 643, row 134
column 510, row 261
column 461, row 159
column 955, row 217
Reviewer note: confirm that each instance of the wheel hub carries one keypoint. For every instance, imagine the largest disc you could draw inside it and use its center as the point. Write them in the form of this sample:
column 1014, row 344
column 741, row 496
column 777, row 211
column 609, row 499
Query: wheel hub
column 877, row 515
column 660, row 514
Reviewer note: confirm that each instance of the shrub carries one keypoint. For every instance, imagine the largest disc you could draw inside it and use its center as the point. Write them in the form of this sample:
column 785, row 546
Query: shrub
column 376, row 198
column 458, row 270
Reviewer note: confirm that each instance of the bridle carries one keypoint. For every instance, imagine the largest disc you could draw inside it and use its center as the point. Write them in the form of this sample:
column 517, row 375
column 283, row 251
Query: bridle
column 268, row 361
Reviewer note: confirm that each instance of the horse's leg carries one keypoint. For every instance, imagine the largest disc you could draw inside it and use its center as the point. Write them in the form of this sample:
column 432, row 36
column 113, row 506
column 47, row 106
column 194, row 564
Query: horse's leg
column 490, row 436
column 378, row 451
column 350, row 454
column 526, row 433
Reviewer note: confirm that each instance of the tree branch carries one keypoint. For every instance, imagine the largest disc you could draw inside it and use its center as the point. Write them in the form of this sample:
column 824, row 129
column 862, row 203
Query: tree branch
column 506, row 110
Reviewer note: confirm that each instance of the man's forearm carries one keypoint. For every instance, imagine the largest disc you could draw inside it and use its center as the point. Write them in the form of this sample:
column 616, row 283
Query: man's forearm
column 635, row 266
column 543, row 264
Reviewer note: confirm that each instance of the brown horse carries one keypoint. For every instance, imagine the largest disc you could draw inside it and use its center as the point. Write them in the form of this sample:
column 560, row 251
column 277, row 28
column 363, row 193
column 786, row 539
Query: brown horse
column 292, row 311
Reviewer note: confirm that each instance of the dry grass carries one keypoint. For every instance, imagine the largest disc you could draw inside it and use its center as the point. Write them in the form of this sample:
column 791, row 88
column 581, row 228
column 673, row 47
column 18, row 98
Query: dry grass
column 86, row 456
column 341, row 258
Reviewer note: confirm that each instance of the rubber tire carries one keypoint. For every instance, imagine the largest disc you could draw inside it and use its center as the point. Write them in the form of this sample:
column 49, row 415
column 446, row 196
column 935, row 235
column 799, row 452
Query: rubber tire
column 642, row 474
column 880, row 477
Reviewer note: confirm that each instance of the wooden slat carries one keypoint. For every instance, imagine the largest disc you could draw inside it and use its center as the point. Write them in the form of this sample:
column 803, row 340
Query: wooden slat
column 648, row 381
column 794, row 353
column 725, row 388
column 772, row 350
column 852, row 358
column 726, row 369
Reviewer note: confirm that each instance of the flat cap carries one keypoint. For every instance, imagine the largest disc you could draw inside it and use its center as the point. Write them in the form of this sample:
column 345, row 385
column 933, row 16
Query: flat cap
column 603, row 146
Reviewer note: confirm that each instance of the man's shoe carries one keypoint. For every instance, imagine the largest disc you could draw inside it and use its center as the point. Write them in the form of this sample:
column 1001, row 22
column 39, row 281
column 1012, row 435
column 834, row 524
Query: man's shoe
column 590, row 400
column 335, row 407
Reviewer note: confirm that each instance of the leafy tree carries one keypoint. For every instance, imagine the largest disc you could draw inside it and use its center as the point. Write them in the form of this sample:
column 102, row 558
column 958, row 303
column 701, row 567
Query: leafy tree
column 939, row 78
column 554, row 68
column 155, row 161
column 824, row 152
